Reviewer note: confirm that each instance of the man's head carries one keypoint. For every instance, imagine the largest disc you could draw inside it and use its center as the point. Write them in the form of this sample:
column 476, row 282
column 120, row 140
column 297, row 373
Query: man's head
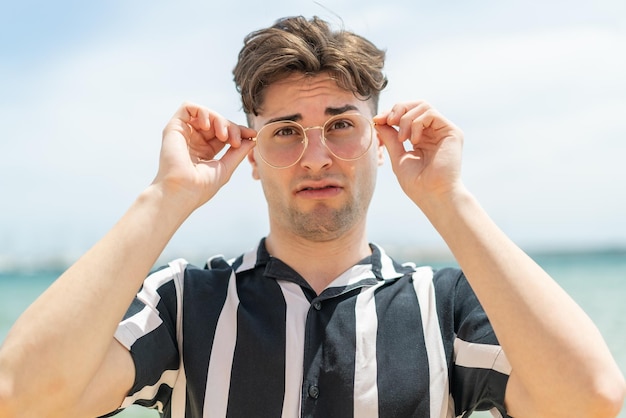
column 301, row 71
column 310, row 47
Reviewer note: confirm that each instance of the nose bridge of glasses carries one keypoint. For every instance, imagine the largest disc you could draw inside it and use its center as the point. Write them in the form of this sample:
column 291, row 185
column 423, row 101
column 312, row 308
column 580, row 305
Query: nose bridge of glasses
column 311, row 141
column 309, row 128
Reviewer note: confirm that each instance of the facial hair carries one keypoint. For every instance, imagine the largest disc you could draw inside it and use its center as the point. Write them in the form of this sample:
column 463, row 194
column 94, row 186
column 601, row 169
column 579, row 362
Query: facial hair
column 324, row 223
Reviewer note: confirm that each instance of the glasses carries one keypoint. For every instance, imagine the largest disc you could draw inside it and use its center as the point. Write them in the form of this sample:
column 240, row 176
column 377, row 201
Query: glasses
column 347, row 136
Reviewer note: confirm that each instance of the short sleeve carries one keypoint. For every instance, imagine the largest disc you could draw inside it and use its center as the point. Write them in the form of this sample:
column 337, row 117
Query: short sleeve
column 480, row 369
column 149, row 331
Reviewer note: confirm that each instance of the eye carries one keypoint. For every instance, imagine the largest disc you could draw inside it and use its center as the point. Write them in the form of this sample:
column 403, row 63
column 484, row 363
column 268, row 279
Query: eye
column 340, row 124
column 287, row 131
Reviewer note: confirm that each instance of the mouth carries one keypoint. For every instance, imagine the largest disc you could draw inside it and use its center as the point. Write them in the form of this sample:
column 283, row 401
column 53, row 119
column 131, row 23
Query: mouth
column 304, row 189
column 318, row 189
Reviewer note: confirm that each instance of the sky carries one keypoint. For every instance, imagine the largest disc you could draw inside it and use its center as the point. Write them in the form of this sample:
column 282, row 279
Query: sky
column 539, row 90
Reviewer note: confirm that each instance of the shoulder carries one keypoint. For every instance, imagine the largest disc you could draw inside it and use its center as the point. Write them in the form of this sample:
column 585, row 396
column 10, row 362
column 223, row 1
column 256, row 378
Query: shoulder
column 452, row 280
column 447, row 283
column 179, row 274
column 452, row 283
column 448, row 276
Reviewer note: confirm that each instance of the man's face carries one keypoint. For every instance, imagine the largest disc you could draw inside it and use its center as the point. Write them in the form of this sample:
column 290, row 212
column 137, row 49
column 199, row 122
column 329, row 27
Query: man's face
column 321, row 197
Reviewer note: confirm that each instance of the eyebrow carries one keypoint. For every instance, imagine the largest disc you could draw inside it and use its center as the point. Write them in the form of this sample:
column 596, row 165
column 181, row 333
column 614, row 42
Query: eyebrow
column 331, row 111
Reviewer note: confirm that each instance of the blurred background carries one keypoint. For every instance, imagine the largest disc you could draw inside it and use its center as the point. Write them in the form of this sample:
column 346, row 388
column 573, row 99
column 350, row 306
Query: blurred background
column 538, row 88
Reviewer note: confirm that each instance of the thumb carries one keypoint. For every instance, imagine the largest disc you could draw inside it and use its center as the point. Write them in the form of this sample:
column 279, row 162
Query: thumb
column 234, row 156
column 389, row 137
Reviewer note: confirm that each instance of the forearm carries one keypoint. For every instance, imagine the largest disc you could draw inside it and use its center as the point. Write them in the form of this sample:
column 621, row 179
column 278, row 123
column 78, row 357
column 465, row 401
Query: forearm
column 554, row 348
column 560, row 361
column 58, row 343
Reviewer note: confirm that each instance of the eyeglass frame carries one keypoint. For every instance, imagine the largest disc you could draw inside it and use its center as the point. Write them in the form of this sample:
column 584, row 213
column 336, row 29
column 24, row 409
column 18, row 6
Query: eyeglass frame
column 323, row 138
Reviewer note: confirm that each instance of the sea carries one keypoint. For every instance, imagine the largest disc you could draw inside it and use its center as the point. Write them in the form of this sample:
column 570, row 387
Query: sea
column 595, row 279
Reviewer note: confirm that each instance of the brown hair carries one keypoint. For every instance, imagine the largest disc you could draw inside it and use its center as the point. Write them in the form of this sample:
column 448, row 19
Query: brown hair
column 297, row 45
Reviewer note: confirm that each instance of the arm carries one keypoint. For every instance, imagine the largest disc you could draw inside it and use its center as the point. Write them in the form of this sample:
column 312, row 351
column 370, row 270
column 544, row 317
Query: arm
column 561, row 365
column 60, row 355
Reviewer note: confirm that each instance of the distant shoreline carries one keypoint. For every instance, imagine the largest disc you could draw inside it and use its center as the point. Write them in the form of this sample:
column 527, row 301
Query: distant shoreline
column 421, row 256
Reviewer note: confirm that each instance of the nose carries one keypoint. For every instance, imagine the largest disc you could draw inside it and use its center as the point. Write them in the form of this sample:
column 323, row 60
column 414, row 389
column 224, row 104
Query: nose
column 316, row 156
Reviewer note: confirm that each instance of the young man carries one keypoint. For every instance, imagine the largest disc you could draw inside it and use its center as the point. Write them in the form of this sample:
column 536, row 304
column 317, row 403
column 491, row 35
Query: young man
column 315, row 321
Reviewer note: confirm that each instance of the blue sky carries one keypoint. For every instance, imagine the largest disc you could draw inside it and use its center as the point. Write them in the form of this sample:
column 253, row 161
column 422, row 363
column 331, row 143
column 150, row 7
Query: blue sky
column 86, row 88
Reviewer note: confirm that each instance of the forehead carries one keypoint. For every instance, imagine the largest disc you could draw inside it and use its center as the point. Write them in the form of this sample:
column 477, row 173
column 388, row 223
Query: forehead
column 308, row 96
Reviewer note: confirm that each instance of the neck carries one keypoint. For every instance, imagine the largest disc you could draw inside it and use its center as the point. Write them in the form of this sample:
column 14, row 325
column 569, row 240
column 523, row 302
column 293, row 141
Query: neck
column 319, row 262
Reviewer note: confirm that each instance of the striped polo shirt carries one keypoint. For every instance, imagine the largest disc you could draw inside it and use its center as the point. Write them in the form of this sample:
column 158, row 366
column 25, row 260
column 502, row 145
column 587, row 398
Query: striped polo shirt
column 249, row 338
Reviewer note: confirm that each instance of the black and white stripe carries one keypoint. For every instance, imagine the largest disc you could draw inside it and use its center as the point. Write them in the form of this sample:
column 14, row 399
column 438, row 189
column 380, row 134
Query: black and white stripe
column 383, row 340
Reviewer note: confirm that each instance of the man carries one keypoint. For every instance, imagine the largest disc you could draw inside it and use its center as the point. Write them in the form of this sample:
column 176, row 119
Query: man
column 315, row 321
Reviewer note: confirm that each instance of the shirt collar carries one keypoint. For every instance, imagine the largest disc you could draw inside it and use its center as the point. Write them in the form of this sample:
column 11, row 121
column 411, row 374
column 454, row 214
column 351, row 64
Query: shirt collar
column 372, row 269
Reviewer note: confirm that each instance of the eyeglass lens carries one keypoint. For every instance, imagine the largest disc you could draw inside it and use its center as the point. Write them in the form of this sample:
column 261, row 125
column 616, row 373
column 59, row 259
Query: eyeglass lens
column 281, row 144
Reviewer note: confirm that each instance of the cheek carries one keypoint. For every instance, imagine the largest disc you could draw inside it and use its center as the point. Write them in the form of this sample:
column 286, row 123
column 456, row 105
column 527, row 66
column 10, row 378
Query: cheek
column 365, row 174
column 278, row 201
column 377, row 160
column 273, row 182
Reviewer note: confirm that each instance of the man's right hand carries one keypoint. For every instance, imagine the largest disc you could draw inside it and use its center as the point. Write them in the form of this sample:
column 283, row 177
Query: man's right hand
column 191, row 141
column 62, row 351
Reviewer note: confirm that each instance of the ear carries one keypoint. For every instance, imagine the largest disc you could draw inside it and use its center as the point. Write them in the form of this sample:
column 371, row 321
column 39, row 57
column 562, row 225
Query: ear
column 253, row 163
column 380, row 151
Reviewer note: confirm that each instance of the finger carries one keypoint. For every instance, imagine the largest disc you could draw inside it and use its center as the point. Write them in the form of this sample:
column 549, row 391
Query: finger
column 389, row 137
column 393, row 116
column 402, row 115
column 406, row 123
column 220, row 126
column 230, row 160
column 432, row 127
column 189, row 112
column 247, row 133
column 209, row 123
column 188, row 121
column 200, row 117
column 417, row 127
column 238, row 133
column 381, row 118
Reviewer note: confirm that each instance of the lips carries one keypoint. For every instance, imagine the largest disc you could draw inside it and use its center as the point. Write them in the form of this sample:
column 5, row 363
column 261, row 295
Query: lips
column 320, row 189
column 316, row 186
